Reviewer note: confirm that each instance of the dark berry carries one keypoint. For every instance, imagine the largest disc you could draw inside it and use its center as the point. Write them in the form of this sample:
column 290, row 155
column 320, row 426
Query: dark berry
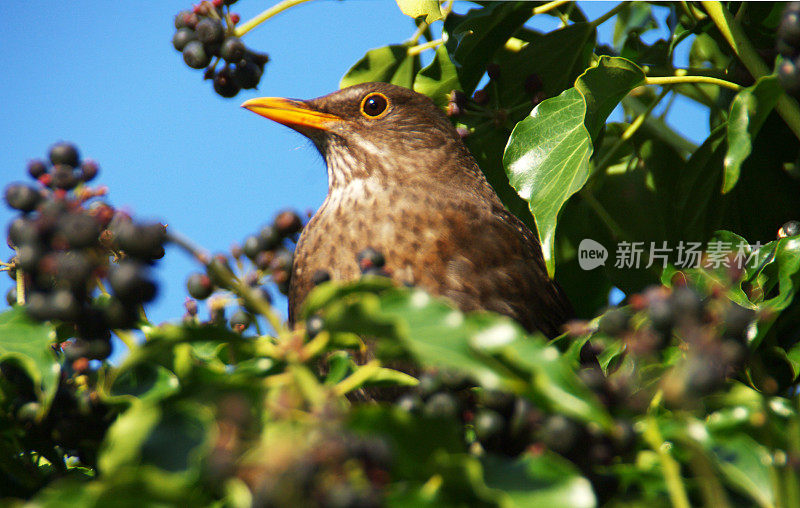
column 288, row 223
column 428, row 385
column 314, row 325
column 78, row 229
column 23, row 230
column 119, row 315
column 791, row 228
column 481, row 97
column 143, row 241
column 11, row 296
column 224, row 84
column 247, row 74
column 489, row 426
column 789, row 76
column 89, row 170
column 38, row 307
column 37, row 168
column 270, row 236
column 533, row 84
column 282, row 261
column 22, row 197
column 232, row 49
column 789, row 28
column 28, row 257
column 195, row 56
column 661, row 314
column 64, row 153
column 319, row 277
column 64, row 177
column 259, row 59
column 199, row 286
column 441, row 405
column 410, row 403
column 493, row 70
column 131, row 282
column 253, row 245
column 562, row 435
column 182, row 37
column 64, row 306
column 686, row 304
column 502, row 402
column 240, row 320
column 185, row 19
column 74, row 268
column 210, row 31
column 370, row 258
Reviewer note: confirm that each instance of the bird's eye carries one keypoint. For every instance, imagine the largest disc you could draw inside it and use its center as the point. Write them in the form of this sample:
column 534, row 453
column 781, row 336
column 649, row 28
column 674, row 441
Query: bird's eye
column 374, row 105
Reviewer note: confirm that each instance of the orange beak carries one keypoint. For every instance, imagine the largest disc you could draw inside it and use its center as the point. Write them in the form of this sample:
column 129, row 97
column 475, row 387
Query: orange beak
column 294, row 114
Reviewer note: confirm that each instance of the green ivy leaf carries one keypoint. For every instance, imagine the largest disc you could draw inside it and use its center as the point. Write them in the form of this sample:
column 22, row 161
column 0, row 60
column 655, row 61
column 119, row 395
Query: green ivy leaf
column 416, row 8
column 547, row 161
column 27, row 342
column 557, row 57
column 171, row 438
column 388, row 64
column 749, row 111
column 145, row 381
column 438, row 79
column 744, row 465
column 493, row 349
column 547, row 156
column 539, row 480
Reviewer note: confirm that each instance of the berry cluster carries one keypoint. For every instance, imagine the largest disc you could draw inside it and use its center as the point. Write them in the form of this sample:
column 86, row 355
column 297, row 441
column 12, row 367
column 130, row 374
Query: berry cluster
column 502, row 423
column 63, row 238
column 713, row 332
column 271, row 254
column 206, row 34
column 459, row 105
column 332, row 470
column 788, row 45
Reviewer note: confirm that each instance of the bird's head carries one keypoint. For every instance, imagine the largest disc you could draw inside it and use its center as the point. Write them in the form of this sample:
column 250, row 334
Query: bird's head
column 374, row 130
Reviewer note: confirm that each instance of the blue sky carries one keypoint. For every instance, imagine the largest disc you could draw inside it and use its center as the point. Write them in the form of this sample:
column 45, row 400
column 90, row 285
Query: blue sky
column 105, row 76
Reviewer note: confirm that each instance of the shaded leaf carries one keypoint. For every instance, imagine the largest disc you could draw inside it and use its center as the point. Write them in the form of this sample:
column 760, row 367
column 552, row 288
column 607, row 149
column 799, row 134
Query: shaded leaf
column 539, row 480
column 745, row 466
column 27, row 342
column 636, row 19
column 472, row 40
column 145, row 381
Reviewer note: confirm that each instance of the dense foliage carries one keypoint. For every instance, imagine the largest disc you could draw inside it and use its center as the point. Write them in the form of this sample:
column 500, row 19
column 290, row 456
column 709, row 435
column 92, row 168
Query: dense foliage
column 685, row 393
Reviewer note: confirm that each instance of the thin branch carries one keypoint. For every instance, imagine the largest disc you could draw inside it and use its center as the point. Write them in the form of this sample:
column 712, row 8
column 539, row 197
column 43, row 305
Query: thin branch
column 673, row 80
column 272, row 11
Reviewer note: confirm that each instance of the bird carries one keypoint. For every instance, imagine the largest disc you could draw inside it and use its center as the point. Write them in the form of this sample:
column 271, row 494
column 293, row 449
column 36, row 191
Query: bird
column 402, row 182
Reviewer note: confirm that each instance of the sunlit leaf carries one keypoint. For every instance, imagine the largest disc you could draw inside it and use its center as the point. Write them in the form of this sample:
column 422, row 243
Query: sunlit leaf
column 388, row 64
column 748, row 112
column 416, row 8
column 547, row 156
column 438, row 79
